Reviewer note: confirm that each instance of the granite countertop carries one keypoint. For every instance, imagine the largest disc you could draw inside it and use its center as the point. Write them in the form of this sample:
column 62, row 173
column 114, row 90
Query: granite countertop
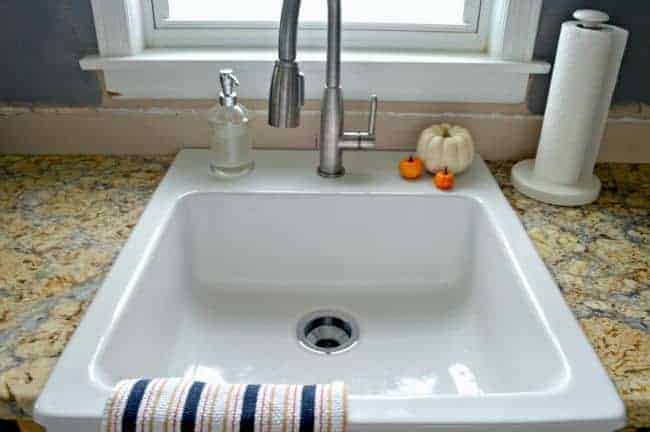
column 64, row 219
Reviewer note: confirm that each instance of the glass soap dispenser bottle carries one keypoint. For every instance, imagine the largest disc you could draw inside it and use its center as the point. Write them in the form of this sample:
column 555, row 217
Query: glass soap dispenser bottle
column 231, row 142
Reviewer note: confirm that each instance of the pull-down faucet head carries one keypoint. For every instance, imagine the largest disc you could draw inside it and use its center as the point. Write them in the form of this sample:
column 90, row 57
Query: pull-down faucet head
column 287, row 93
column 286, row 96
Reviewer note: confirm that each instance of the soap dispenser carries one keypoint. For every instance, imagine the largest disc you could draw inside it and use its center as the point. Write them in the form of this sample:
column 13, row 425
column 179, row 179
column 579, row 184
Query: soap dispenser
column 231, row 142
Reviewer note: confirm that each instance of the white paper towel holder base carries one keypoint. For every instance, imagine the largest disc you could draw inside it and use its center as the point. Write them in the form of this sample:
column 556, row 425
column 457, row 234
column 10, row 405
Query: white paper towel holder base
column 523, row 178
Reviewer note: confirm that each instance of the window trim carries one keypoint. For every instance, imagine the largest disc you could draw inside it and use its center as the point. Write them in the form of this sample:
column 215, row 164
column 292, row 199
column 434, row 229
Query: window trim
column 133, row 69
column 163, row 33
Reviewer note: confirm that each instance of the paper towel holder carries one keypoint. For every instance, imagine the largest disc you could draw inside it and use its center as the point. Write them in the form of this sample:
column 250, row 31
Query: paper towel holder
column 587, row 187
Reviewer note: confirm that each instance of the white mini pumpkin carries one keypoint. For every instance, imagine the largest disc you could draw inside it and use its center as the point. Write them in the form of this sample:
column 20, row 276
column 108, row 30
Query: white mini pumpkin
column 444, row 145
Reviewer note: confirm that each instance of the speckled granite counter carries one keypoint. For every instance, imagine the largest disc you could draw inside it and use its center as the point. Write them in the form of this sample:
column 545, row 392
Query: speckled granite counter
column 63, row 220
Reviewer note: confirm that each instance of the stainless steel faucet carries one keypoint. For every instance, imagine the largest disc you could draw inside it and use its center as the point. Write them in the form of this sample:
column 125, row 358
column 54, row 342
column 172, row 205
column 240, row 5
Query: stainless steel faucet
column 287, row 94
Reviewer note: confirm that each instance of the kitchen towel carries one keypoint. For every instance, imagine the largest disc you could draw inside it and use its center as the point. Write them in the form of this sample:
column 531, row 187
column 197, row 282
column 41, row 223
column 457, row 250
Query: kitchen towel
column 185, row 405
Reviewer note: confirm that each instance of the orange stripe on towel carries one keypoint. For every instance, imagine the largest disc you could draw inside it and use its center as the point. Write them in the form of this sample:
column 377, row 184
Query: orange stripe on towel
column 212, row 407
column 329, row 408
column 294, row 410
column 110, row 417
column 226, row 409
column 156, row 402
column 146, row 402
column 285, row 408
column 170, row 407
column 320, row 411
column 272, row 398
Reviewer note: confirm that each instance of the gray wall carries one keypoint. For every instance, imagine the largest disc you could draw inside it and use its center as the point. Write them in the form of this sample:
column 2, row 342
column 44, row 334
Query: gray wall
column 42, row 42
column 44, row 39
column 633, row 15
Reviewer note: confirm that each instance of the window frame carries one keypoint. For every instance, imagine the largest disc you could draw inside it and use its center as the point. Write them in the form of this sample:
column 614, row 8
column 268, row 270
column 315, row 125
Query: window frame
column 134, row 67
column 161, row 32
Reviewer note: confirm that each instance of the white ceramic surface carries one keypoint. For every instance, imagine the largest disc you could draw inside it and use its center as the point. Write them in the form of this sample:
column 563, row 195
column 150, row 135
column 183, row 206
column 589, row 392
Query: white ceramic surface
column 461, row 325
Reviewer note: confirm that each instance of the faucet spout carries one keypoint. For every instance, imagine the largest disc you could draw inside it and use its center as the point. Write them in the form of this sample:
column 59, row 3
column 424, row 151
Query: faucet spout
column 289, row 36
column 333, row 43
column 287, row 92
column 288, row 30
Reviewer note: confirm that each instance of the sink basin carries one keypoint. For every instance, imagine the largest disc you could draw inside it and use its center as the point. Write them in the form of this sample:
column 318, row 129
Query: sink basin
column 459, row 324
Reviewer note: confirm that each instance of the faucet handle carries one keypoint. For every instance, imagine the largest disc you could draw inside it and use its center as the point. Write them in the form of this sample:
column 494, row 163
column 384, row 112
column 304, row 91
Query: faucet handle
column 372, row 116
column 362, row 140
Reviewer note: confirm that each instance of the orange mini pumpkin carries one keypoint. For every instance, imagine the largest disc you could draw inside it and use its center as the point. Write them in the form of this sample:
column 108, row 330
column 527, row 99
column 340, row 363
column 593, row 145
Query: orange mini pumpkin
column 411, row 168
column 444, row 179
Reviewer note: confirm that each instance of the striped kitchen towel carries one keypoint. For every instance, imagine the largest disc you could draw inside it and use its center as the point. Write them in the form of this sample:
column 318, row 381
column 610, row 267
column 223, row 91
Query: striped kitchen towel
column 182, row 405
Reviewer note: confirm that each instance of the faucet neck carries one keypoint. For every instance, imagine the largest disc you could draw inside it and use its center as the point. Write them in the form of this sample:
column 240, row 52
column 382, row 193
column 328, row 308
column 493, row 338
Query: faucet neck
column 289, row 31
column 333, row 79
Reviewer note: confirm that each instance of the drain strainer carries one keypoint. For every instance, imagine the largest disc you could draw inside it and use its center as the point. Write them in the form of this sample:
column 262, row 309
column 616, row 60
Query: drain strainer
column 327, row 332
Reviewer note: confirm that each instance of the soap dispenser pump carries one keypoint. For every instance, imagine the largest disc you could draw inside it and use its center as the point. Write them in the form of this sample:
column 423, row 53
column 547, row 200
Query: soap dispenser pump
column 231, row 142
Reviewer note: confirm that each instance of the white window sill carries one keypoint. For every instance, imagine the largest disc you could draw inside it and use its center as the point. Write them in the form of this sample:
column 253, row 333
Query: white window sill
column 401, row 76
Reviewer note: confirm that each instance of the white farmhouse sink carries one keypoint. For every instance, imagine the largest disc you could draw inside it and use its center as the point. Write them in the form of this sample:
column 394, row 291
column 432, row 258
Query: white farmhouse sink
column 460, row 325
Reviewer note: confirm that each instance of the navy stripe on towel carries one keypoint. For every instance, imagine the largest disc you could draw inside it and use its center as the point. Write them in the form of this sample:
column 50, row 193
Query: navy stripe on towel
column 133, row 405
column 307, row 408
column 191, row 405
column 247, row 423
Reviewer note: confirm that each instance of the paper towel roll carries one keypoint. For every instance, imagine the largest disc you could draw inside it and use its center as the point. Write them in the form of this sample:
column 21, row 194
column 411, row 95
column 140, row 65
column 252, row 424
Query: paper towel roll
column 601, row 111
column 584, row 76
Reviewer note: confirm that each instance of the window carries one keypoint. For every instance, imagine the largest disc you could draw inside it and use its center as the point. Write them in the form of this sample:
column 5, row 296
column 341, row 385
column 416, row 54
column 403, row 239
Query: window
column 412, row 50
column 189, row 12
column 416, row 24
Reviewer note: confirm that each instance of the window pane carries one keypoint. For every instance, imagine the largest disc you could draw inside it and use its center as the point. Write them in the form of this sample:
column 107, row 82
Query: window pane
column 421, row 12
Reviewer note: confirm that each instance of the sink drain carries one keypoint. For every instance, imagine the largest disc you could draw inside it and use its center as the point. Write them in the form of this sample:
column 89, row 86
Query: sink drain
column 327, row 332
